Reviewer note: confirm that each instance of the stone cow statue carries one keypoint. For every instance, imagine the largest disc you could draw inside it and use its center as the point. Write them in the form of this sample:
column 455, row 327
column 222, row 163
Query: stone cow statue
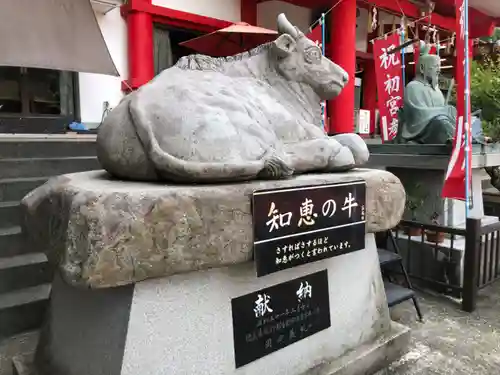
column 249, row 116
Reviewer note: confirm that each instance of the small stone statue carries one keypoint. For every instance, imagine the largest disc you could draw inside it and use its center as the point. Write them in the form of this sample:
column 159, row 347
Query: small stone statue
column 426, row 117
column 248, row 116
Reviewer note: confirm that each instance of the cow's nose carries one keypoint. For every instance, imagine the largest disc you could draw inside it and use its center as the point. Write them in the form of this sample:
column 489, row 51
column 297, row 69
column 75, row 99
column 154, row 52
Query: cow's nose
column 345, row 77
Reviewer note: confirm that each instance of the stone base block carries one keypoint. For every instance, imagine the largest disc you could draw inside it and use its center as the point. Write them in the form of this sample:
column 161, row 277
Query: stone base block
column 182, row 324
column 370, row 357
column 367, row 359
column 424, row 186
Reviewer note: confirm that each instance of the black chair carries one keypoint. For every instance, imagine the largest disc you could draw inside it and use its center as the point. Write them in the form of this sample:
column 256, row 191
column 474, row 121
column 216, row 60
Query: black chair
column 396, row 294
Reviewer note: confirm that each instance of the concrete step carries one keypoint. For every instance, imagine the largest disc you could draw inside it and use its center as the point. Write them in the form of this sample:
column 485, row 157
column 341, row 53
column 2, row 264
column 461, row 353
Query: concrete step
column 46, row 167
column 46, row 148
column 23, row 271
column 23, row 310
column 23, row 365
column 15, row 189
column 23, row 345
column 11, row 242
column 10, row 214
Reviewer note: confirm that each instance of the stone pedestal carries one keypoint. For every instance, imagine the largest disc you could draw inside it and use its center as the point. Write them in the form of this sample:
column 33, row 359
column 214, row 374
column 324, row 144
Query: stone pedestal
column 147, row 273
column 422, row 169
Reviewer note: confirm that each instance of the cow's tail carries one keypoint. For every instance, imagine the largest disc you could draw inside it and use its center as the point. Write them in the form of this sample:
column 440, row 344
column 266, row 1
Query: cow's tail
column 172, row 168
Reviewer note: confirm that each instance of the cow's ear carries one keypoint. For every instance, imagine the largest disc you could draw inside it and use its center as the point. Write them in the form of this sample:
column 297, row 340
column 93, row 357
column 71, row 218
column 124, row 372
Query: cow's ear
column 284, row 45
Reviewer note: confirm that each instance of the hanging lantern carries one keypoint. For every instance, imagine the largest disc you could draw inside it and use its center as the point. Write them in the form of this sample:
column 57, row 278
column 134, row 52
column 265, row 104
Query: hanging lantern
column 428, row 35
column 452, row 44
column 370, row 21
column 374, row 17
column 404, row 28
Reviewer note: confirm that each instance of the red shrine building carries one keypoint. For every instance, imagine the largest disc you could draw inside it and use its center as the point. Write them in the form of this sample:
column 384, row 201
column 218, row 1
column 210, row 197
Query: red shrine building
column 144, row 36
column 351, row 25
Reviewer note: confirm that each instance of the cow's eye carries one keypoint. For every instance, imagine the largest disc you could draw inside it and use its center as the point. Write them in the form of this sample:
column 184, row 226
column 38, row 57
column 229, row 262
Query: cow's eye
column 313, row 55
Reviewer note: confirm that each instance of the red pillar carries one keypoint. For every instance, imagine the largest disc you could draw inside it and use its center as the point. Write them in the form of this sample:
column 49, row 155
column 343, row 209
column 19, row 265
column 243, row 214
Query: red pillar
column 249, row 11
column 140, row 47
column 370, row 83
column 370, row 92
column 343, row 53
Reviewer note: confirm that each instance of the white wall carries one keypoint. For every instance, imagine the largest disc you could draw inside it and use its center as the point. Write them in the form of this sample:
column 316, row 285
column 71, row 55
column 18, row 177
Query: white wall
column 362, row 30
column 228, row 10
column 96, row 88
column 268, row 12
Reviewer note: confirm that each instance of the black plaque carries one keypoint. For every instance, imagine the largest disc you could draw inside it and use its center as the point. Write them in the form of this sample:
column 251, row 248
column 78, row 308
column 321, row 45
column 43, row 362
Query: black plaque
column 273, row 318
column 295, row 226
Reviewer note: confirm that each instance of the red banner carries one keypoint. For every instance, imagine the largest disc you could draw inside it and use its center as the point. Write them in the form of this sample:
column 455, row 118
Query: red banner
column 454, row 184
column 388, row 71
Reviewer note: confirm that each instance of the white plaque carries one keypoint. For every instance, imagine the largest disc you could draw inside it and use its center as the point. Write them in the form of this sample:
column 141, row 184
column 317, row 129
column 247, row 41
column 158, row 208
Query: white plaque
column 364, row 121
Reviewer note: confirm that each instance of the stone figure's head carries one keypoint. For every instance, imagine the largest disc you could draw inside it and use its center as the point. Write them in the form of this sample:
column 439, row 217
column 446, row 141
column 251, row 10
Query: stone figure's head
column 429, row 66
column 301, row 60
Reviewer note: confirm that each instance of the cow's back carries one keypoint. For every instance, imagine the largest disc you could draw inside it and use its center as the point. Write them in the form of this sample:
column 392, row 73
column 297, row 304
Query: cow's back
column 206, row 116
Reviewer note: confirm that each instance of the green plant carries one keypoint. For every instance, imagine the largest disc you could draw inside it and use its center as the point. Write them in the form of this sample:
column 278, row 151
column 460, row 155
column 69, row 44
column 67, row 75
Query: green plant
column 485, row 93
column 415, row 198
column 495, row 37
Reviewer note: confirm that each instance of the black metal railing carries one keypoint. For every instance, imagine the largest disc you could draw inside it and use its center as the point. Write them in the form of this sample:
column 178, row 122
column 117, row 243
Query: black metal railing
column 481, row 260
column 454, row 261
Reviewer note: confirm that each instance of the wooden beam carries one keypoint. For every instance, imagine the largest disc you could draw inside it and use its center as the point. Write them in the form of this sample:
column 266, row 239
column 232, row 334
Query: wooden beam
column 481, row 24
column 412, row 11
column 249, row 11
column 176, row 18
column 364, row 55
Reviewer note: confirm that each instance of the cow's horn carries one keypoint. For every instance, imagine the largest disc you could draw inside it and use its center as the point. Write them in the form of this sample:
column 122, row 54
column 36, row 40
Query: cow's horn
column 285, row 27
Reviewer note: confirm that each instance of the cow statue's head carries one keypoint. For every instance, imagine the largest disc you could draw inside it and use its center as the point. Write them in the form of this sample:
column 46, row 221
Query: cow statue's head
column 301, row 60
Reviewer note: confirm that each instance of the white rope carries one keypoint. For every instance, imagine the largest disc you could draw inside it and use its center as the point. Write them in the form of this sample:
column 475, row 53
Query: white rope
column 311, row 27
column 410, row 25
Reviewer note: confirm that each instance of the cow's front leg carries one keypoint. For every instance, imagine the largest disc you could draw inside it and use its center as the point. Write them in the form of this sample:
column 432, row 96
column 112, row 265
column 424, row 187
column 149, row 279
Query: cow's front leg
column 356, row 145
column 317, row 155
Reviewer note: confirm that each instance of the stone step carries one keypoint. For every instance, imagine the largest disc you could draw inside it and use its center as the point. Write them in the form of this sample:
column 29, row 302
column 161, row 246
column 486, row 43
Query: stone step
column 15, row 189
column 11, row 242
column 45, row 148
column 23, row 365
column 23, row 271
column 46, row 167
column 22, row 345
column 23, row 310
column 10, row 214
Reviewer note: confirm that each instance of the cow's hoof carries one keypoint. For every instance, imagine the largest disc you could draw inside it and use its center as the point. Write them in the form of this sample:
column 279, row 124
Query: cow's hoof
column 357, row 146
column 342, row 161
